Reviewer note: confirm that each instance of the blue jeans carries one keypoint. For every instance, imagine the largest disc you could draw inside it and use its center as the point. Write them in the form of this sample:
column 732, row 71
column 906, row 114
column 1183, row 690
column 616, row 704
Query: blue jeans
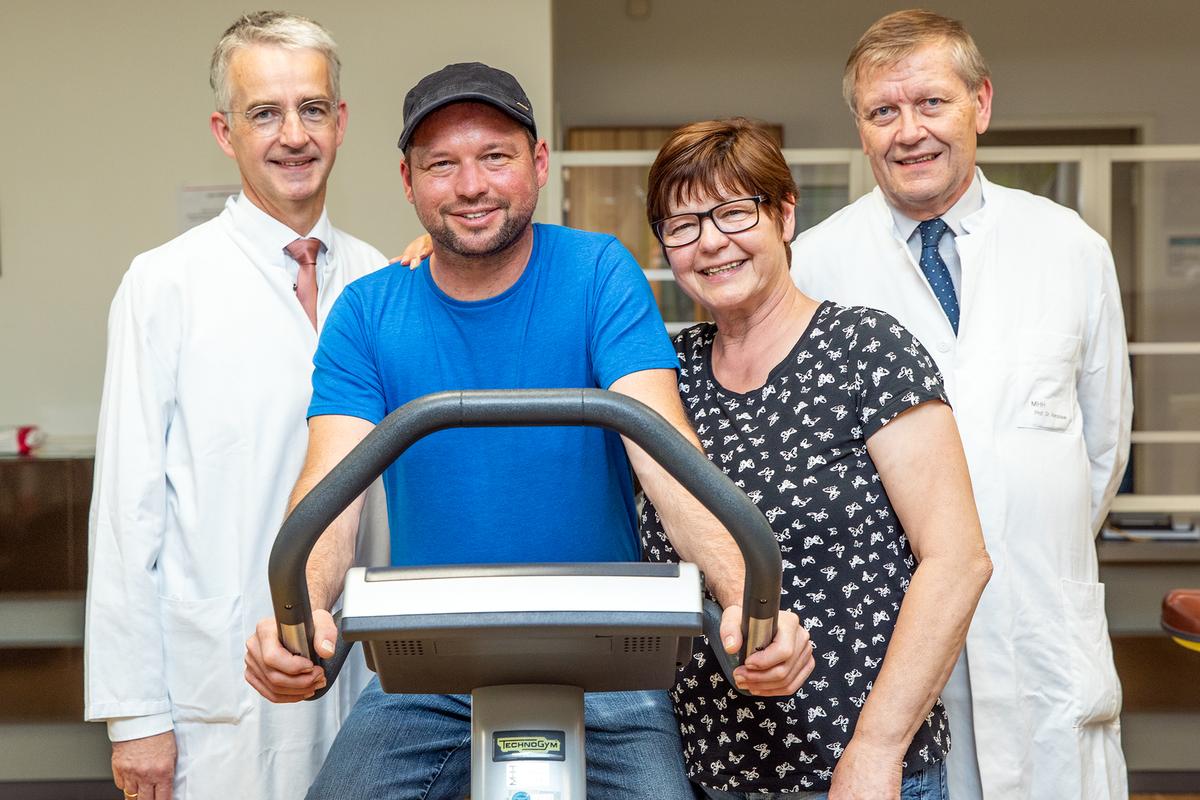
column 928, row 784
column 418, row 747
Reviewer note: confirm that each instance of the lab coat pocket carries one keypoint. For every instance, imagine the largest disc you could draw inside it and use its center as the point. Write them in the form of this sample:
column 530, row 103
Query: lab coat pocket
column 1045, row 379
column 204, row 652
column 1096, row 689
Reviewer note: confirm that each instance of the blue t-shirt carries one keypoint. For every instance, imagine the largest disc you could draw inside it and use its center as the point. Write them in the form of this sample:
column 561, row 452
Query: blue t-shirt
column 581, row 315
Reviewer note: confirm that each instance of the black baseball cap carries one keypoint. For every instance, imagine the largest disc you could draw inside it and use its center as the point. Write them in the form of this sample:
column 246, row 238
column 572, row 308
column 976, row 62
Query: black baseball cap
column 457, row 83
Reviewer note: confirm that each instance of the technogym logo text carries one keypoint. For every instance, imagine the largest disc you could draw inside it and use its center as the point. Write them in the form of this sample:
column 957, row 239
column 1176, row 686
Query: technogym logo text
column 534, row 744
column 528, row 745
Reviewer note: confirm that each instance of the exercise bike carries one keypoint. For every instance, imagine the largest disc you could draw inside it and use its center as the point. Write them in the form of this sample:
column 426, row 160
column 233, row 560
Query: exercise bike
column 525, row 640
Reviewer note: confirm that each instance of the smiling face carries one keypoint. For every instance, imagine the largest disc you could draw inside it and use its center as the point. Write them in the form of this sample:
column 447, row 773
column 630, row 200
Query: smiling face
column 473, row 177
column 731, row 274
column 918, row 122
column 283, row 174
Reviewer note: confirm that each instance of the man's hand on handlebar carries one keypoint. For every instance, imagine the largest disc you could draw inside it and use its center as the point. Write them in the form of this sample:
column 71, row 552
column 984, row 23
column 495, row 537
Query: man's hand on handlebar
column 281, row 676
column 779, row 669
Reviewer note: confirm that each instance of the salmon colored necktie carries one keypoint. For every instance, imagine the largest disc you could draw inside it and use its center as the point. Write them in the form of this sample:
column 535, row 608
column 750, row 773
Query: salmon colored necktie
column 305, row 253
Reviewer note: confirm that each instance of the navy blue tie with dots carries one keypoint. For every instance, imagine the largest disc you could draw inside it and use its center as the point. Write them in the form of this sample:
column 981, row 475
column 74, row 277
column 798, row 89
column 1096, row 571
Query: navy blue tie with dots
column 935, row 268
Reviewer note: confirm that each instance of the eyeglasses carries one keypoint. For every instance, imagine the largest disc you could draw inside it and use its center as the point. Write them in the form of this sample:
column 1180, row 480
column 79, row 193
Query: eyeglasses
column 732, row 216
column 314, row 115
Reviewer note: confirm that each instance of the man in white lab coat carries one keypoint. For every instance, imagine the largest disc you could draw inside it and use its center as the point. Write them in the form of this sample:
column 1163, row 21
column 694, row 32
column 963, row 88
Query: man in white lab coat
column 1017, row 301
column 202, row 434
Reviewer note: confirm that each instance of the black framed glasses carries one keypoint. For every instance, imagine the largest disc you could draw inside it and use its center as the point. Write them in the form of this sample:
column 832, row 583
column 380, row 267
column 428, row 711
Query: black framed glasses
column 266, row 120
column 732, row 216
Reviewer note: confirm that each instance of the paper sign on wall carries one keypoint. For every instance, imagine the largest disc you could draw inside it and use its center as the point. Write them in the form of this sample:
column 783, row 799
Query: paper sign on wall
column 1183, row 256
column 199, row 204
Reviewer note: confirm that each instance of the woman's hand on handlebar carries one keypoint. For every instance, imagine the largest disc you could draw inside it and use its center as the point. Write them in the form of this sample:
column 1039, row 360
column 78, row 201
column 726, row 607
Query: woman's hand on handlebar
column 281, row 676
column 779, row 669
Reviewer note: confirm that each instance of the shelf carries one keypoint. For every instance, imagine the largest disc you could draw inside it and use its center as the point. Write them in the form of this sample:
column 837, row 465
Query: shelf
column 1161, row 741
column 1164, row 503
column 61, row 751
column 50, row 620
column 1149, row 552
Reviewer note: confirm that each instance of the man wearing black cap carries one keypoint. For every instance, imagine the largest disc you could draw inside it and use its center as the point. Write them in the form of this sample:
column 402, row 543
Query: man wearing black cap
column 503, row 303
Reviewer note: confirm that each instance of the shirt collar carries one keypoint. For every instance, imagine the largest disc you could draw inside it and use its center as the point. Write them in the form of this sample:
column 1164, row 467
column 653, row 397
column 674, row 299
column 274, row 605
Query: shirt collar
column 268, row 236
column 968, row 204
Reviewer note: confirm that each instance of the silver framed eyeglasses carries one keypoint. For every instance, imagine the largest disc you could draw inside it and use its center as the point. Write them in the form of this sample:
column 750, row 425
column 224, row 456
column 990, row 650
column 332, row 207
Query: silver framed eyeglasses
column 732, row 216
column 266, row 120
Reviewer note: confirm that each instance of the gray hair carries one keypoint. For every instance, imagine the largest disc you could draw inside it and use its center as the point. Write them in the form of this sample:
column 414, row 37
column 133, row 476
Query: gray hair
column 279, row 28
column 900, row 34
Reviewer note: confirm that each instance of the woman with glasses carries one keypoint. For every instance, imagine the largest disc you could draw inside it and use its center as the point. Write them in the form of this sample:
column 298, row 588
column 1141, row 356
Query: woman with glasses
column 833, row 420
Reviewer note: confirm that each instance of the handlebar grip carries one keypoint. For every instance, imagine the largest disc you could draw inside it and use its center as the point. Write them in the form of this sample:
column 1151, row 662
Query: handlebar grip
column 523, row 407
column 298, row 642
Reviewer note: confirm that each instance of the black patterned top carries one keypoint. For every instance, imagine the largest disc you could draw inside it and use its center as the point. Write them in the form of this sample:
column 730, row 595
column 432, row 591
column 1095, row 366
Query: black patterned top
column 797, row 447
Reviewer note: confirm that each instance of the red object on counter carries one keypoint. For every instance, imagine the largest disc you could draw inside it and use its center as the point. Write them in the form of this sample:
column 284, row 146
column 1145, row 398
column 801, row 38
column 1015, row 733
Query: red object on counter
column 20, row 439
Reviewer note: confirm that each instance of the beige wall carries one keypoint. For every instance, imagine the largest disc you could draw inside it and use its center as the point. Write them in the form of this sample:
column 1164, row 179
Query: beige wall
column 107, row 107
column 1054, row 64
column 781, row 61
column 106, row 117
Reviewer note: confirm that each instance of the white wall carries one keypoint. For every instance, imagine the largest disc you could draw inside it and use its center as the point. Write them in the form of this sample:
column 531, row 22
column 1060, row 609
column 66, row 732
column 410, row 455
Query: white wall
column 106, row 109
column 781, row 61
column 1054, row 63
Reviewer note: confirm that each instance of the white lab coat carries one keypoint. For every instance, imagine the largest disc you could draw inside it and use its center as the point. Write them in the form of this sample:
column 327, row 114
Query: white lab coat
column 1039, row 380
column 202, row 436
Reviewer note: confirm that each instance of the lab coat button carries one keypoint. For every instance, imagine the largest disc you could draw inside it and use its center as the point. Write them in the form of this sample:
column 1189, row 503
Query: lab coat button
column 943, row 346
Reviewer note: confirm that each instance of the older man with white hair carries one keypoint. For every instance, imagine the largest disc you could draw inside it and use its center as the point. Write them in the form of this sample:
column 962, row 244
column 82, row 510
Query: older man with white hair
column 1017, row 301
column 202, row 434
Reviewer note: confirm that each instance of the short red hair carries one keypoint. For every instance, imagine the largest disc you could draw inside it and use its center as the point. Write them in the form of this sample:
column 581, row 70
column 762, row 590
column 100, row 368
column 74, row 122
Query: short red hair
column 716, row 157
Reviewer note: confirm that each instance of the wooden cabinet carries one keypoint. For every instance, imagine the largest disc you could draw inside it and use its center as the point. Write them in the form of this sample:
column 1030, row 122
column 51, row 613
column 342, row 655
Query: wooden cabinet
column 1160, row 714
column 43, row 573
column 43, row 524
